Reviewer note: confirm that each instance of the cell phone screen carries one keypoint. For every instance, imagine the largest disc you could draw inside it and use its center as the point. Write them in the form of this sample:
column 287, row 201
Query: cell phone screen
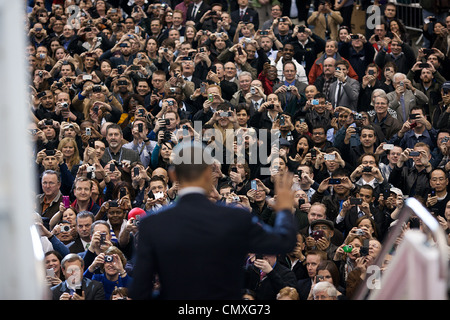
column 356, row 201
column 334, row 181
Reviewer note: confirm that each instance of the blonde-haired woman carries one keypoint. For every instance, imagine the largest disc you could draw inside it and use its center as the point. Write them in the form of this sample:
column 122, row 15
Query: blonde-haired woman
column 71, row 155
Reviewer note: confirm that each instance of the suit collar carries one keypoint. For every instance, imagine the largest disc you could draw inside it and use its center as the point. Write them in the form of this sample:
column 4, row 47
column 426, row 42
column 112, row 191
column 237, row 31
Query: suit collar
column 191, row 190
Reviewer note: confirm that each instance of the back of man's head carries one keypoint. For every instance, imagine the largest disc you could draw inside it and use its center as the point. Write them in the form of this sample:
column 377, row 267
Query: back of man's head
column 190, row 161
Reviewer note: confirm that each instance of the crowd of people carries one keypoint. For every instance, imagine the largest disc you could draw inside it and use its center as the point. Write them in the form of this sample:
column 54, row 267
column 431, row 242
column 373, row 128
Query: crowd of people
column 361, row 120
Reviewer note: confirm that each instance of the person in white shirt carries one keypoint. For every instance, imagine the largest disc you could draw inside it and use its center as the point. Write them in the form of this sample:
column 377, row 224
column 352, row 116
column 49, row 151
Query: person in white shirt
column 287, row 55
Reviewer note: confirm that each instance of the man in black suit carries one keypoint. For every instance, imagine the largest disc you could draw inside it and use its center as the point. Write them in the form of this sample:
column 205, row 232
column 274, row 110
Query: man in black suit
column 196, row 10
column 266, row 277
column 187, row 70
column 84, row 220
column 198, row 247
column 72, row 267
column 245, row 14
column 313, row 259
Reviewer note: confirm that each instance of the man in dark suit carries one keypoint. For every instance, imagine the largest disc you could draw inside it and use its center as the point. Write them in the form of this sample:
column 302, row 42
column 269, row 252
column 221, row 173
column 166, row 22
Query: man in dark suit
column 198, row 247
column 196, row 10
column 313, row 259
column 295, row 259
column 187, row 70
column 72, row 267
column 245, row 14
column 84, row 220
column 266, row 277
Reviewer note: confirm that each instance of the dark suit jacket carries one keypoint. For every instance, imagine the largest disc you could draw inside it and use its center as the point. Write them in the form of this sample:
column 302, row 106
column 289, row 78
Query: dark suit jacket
column 291, row 104
column 303, row 288
column 352, row 216
column 250, row 15
column 200, row 12
column 268, row 287
column 198, row 249
column 93, row 290
column 76, row 246
column 299, row 268
column 302, row 9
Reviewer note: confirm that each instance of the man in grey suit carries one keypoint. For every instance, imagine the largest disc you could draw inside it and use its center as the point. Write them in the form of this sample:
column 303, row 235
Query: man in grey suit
column 72, row 267
column 405, row 97
column 345, row 90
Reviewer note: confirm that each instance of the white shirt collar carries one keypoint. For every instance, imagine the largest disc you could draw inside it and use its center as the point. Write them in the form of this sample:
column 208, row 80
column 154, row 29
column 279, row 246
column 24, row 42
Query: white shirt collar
column 189, row 190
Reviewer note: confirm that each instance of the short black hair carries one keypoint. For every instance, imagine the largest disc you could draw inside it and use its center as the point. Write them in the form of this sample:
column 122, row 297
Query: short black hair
column 190, row 161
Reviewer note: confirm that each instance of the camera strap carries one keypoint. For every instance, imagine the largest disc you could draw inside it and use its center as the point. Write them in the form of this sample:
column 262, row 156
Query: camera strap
column 120, row 155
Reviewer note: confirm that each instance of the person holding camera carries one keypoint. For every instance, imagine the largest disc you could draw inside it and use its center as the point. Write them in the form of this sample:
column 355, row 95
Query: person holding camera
column 413, row 179
column 163, row 150
column 367, row 143
column 76, row 286
column 426, row 78
column 345, row 90
column 441, row 115
column 325, row 20
column 401, row 54
column 140, row 143
column 307, row 46
column 213, row 93
column 416, row 129
column 347, row 254
column 157, row 195
column 266, row 276
column 101, row 240
column 115, row 151
column 322, row 231
column 319, row 114
column 362, row 204
column 341, row 186
column 224, row 122
column 368, row 173
column 358, row 52
column 112, row 263
column 97, row 103
column 291, row 90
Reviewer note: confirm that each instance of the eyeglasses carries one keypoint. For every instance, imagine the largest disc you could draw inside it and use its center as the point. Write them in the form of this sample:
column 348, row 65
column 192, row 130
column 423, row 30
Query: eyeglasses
column 318, row 133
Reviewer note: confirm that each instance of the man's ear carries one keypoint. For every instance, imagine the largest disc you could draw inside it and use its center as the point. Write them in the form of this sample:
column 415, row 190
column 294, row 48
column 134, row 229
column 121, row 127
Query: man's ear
column 171, row 173
column 207, row 177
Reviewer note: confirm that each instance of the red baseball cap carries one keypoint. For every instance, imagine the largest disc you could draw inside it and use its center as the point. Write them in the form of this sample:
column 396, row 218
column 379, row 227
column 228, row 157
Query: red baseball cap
column 136, row 212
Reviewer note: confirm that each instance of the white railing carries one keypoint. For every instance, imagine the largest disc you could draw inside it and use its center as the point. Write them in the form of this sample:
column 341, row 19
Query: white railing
column 419, row 267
